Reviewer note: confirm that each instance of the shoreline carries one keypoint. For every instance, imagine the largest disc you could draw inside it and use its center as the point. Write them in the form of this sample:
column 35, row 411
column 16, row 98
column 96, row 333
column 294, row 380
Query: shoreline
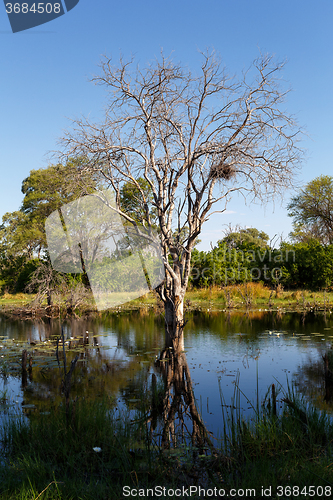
column 249, row 297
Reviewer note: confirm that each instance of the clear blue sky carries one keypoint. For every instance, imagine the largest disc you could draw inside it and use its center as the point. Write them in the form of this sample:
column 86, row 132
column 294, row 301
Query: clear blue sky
column 45, row 75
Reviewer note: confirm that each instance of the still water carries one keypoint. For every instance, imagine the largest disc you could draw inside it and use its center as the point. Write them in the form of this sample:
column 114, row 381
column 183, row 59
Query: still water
column 117, row 356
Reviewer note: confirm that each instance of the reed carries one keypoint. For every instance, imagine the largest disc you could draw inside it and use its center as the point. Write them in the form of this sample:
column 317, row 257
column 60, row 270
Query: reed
column 92, row 455
column 293, row 446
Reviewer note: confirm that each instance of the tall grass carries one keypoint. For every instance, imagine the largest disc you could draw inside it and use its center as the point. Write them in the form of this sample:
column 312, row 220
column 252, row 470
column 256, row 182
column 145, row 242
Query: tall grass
column 92, row 456
column 291, row 447
column 244, row 295
column 98, row 451
column 230, row 295
column 88, row 450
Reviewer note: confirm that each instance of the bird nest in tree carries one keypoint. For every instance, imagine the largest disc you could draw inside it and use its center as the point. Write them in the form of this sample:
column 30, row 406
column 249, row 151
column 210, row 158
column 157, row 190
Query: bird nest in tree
column 222, row 170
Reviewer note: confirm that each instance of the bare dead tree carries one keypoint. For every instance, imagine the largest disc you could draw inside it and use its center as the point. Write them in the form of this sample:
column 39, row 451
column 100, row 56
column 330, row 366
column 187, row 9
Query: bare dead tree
column 44, row 281
column 54, row 287
column 195, row 139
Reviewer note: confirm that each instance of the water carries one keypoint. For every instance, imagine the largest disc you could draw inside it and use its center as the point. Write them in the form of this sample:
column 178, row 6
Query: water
column 117, row 355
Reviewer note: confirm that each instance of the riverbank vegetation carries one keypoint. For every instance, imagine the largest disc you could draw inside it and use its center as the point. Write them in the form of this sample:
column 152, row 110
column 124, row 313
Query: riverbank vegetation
column 246, row 296
column 297, row 266
column 243, row 270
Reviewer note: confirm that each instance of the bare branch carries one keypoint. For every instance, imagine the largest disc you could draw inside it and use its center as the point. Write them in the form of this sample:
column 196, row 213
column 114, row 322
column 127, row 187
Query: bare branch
column 195, row 139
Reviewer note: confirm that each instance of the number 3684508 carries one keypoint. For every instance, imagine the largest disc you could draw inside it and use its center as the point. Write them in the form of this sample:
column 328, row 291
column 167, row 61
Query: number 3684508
column 35, row 8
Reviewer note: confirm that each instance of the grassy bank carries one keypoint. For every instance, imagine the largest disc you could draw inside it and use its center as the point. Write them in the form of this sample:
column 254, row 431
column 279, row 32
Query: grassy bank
column 256, row 296
column 17, row 299
column 91, row 452
column 245, row 296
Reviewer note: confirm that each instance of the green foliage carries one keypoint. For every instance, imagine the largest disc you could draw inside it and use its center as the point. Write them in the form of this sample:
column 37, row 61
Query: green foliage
column 19, row 235
column 15, row 272
column 312, row 211
column 248, row 238
column 312, row 266
column 234, row 260
column 134, row 197
column 240, row 257
column 25, row 274
column 45, row 190
column 22, row 233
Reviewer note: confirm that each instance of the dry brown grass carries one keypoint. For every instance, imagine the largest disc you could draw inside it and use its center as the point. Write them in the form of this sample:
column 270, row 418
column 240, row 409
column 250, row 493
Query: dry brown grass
column 16, row 298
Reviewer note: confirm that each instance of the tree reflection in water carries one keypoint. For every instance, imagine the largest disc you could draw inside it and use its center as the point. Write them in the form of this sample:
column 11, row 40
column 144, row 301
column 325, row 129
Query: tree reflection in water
column 315, row 379
column 181, row 420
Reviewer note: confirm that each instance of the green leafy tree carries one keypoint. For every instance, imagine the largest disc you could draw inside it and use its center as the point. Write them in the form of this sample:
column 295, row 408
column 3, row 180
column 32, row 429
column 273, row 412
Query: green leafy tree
column 22, row 233
column 312, row 211
column 18, row 235
column 311, row 267
column 15, row 273
column 45, row 190
column 136, row 198
column 246, row 238
column 18, row 240
column 242, row 255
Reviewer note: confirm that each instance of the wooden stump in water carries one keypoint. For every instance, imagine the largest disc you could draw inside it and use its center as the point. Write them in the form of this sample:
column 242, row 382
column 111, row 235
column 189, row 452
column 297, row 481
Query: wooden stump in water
column 30, row 367
column 328, row 379
column 24, row 369
column 273, row 400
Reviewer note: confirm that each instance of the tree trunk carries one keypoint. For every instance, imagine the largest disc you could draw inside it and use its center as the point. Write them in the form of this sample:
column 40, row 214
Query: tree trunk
column 174, row 320
column 49, row 298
